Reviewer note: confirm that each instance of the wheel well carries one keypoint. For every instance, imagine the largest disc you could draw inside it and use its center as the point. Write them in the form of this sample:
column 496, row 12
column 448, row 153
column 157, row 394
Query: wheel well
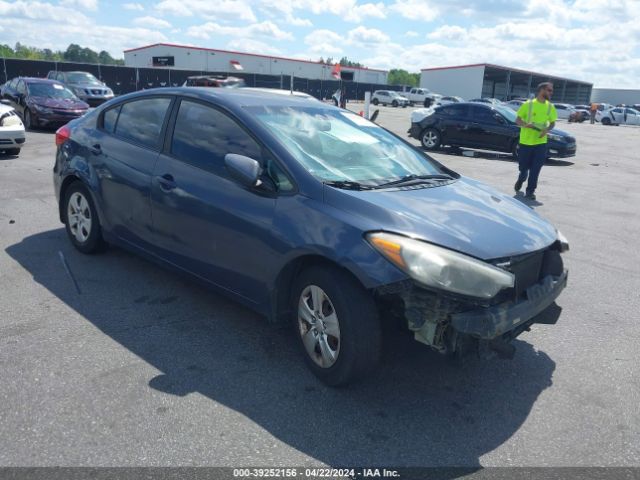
column 281, row 296
column 63, row 190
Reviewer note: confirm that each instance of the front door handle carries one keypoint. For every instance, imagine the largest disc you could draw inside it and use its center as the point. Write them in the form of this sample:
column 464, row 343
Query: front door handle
column 167, row 182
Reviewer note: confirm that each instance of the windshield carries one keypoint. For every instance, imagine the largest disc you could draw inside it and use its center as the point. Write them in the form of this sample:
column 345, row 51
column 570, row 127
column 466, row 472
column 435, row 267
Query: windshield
column 50, row 90
column 341, row 146
column 506, row 112
column 82, row 77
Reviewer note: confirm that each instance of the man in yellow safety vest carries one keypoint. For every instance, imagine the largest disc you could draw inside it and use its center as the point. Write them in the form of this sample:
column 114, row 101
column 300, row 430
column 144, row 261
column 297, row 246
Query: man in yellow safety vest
column 536, row 117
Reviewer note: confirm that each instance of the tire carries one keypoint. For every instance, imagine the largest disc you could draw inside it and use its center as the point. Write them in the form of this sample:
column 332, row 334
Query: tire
column 13, row 151
column 321, row 293
column 427, row 102
column 394, row 103
column 28, row 120
column 430, row 139
column 515, row 149
column 606, row 121
column 85, row 232
column 375, row 101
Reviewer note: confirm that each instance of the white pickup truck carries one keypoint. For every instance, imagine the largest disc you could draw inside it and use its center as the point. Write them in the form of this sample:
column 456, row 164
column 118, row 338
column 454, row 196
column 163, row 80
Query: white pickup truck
column 422, row 96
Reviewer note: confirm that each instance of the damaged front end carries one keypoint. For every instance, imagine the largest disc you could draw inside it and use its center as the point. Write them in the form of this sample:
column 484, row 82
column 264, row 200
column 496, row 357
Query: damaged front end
column 460, row 326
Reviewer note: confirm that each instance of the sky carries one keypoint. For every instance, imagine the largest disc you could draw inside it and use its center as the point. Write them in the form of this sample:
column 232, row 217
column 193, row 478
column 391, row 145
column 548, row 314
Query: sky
column 597, row 41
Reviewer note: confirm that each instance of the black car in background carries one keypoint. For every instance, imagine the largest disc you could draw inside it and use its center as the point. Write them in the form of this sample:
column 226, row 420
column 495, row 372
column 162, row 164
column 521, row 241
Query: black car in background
column 480, row 126
column 42, row 102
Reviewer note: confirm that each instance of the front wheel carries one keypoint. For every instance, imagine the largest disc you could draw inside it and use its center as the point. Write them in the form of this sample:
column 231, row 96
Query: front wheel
column 430, row 139
column 606, row 121
column 394, row 103
column 337, row 325
column 81, row 220
column 375, row 101
column 28, row 120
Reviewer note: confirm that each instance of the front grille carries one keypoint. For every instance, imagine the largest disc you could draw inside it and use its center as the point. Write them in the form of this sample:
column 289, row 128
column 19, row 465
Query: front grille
column 98, row 92
column 5, row 141
column 526, row 270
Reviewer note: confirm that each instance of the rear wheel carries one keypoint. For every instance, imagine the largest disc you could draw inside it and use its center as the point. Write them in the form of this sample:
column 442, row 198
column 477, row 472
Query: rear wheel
column 375, row 101
column 337, row 324
column 81, row 220
column 430, row 139
column 515, row 150
column 394, row 103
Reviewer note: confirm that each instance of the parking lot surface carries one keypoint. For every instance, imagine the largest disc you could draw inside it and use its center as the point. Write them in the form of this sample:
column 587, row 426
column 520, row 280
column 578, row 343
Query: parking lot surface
column 135, row 365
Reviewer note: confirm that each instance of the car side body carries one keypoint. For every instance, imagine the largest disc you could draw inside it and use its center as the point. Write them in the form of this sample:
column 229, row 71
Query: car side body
column 138, row 162
column 480, row 126
column 12, row 135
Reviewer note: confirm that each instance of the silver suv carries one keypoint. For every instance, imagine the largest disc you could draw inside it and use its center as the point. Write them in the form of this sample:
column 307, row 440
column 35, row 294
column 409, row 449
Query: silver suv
column 86, row 87
column 389, row 97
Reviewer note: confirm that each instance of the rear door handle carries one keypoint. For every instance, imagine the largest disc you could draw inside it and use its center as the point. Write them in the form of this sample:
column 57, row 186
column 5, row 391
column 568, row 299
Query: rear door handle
column 167, row 183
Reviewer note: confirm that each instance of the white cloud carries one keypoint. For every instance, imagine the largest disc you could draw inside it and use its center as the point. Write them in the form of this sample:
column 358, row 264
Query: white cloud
column 324, row 42
column 209, row 10
column 419, row 10
column 367, row 36
column 86, row 4
column 151, row 22
column 411, row 33
column 35, row 10
column 448, row 32
column 133, row 6
column 359, row 13
column 266, row 30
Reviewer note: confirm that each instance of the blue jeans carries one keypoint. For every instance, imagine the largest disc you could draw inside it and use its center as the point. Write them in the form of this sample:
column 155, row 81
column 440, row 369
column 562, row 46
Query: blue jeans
column 530, row 161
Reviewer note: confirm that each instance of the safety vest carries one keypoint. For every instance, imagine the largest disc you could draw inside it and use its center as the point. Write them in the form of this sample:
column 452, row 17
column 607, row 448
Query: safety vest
column 530, row 111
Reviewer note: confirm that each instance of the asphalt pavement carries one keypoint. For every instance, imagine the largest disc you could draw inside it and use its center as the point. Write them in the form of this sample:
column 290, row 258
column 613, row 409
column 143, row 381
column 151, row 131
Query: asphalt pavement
column 138, row 366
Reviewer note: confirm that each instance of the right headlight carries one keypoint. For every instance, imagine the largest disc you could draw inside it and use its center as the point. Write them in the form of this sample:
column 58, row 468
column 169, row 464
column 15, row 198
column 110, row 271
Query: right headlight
column 441, row 268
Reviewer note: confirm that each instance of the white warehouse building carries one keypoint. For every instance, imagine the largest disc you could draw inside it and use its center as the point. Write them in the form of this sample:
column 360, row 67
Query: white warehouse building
column 503, row 83
column 181, row 57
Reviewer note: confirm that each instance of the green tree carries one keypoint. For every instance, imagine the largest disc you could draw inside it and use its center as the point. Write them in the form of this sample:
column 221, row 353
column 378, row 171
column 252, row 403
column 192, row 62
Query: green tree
column 345, row 62
column 398, row 76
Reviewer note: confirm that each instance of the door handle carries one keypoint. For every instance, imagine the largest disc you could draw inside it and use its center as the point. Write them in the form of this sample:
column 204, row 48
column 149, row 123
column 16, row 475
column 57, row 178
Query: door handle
column 96, row 149
column 167, row 183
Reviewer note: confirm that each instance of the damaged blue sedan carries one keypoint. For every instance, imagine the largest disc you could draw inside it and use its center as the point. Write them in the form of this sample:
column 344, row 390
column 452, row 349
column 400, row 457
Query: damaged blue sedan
column 312, row 216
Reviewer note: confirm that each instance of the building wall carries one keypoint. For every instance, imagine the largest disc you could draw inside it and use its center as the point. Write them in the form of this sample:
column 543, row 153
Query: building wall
column 465, row 82
column 615, row 96
column 218, row 61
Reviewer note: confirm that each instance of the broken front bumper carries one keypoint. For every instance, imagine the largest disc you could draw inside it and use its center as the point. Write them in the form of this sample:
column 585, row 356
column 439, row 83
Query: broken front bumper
column 491, row 322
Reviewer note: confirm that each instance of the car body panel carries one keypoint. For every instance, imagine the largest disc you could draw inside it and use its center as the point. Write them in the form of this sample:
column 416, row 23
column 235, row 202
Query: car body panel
column 12, row 134
column 243, row 240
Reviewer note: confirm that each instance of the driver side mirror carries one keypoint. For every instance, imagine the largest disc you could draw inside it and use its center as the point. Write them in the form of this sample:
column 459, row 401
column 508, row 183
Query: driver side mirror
column 244, row 170
column 499, row 118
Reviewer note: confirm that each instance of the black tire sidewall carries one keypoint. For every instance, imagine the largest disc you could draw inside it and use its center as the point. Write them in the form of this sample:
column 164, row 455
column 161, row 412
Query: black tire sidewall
column 94, row 242
column 375, row 101
column 394, row 103
column 27, row 114
column 438, row 143
column 360, row 331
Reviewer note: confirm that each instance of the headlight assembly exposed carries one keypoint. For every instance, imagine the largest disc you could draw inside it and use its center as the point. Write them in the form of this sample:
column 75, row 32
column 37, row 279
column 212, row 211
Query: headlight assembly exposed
column 441, row 268
column 555, row 138
column 564, row 243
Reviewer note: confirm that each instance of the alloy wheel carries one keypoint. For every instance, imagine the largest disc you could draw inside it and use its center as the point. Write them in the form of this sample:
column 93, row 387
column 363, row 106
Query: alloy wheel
column 79, row 217
column 319, row 327
column 430, row 139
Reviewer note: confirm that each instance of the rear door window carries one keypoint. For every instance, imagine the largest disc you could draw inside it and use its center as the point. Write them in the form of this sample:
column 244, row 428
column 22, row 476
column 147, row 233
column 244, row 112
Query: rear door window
column 483, row 115
column 141, row 121
column 457, row 111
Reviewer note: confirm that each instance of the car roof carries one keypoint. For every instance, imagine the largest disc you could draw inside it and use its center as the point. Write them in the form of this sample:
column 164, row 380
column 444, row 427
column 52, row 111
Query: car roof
column 39, row 80
column 239, row 97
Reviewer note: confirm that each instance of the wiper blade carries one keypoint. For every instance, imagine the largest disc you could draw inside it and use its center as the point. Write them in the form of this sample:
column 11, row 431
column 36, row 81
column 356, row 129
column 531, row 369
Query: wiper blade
column 413, row 177
column 347, row 185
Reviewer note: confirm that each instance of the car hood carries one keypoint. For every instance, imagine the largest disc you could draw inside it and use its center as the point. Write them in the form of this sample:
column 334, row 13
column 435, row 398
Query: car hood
column 465, row 215
column 5, row 108
column 62, row 103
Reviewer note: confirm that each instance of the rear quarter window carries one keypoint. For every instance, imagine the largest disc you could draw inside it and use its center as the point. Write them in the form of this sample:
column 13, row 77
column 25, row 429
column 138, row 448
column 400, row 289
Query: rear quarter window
column 109, row 119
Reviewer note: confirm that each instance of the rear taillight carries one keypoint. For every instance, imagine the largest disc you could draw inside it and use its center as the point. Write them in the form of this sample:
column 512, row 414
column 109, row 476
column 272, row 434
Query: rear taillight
column 62, row 135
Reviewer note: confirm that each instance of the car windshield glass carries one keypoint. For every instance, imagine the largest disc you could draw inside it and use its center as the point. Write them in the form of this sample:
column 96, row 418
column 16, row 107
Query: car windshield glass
column 82, row 77
column 506, row 112
column 49, row 90
column 337, row 145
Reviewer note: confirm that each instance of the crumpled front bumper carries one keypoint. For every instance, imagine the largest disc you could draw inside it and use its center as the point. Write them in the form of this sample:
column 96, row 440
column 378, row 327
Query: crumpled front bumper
column 491, row 322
